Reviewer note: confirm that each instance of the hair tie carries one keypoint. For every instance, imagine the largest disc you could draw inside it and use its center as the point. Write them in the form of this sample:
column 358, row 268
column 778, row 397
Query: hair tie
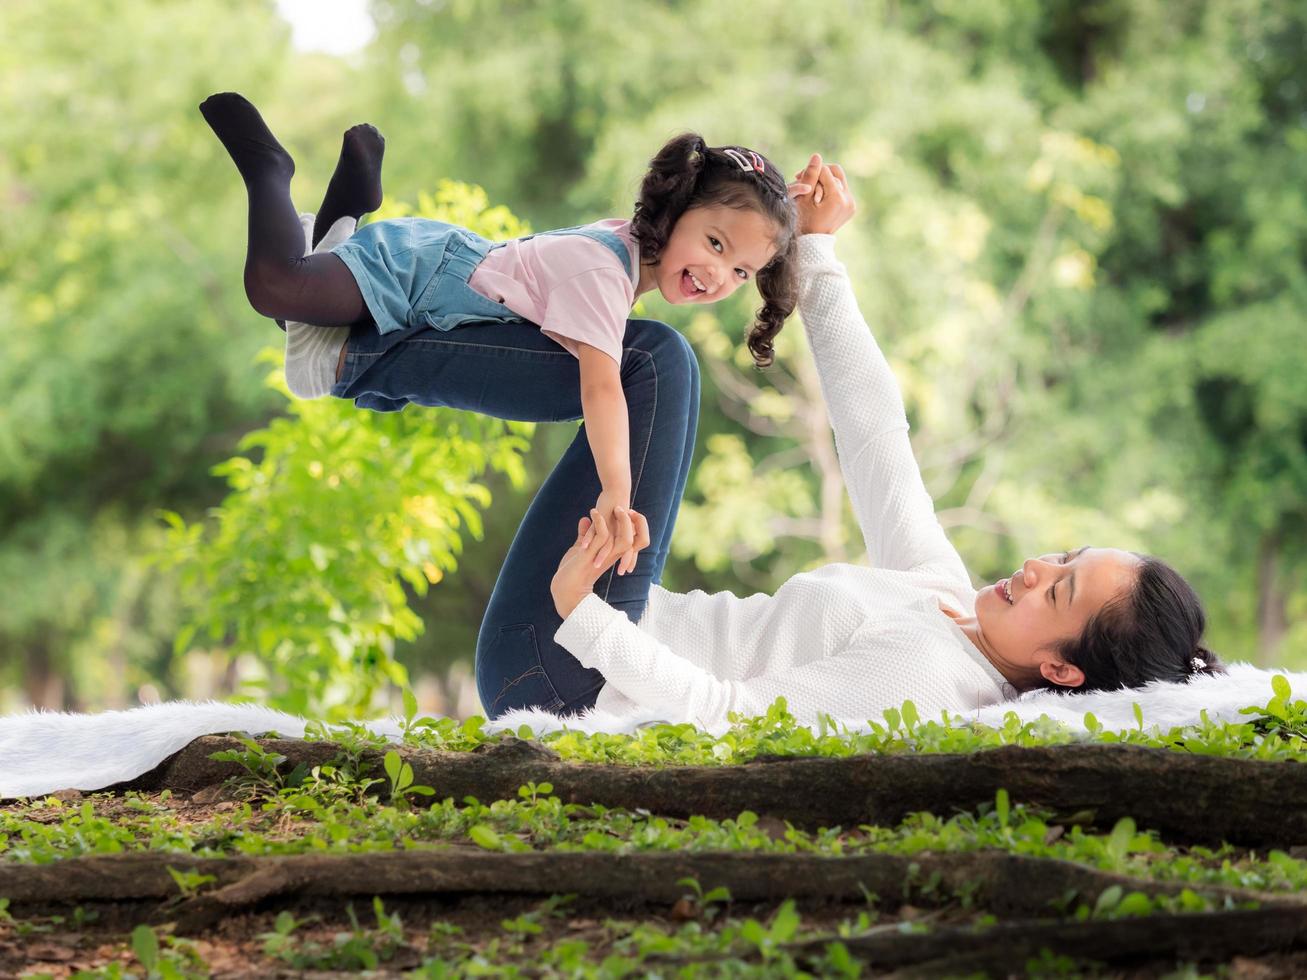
column 1198, row 664
column 751, row 163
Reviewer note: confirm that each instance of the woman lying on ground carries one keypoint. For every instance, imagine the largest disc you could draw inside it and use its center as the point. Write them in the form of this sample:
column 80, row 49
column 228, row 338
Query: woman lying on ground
column 850, row 641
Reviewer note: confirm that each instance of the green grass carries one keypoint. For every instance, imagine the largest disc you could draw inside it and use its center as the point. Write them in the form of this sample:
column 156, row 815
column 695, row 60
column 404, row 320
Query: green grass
column 325, row 813
column 1275, row 730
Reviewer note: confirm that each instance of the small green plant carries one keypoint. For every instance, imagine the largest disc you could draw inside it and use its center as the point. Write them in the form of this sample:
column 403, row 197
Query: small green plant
column 767, row 938
column 709, row 902
column 358, row 949
column 189, row 883
column 278, row 943
column 531, row 923
column 173, row 959
column 261, row 775
column 400, row 774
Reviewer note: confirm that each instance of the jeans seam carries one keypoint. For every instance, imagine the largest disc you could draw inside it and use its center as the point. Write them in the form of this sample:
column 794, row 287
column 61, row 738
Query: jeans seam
column 531, row 672
column 644, row 456
column 464, row 346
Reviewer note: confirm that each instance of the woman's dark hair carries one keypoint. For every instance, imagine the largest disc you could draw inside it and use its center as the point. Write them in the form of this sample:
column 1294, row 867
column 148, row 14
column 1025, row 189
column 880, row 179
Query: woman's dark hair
column 687, row 173
column 1152, row 632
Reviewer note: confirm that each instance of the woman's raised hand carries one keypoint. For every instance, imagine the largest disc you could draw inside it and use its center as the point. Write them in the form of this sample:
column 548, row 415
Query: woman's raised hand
column 821, row 194
column 577, row 572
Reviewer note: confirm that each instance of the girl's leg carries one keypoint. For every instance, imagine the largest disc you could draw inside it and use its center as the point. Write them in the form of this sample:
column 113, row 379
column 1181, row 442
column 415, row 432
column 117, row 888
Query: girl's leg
column 355, row 186
column 518, row 664
column 280, row 280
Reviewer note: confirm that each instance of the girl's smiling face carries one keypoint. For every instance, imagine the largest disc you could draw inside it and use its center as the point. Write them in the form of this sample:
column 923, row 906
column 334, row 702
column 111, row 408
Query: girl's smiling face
column 711, row 252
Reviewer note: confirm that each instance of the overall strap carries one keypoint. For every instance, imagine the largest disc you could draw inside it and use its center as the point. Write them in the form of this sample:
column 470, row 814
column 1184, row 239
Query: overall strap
column 603, row 236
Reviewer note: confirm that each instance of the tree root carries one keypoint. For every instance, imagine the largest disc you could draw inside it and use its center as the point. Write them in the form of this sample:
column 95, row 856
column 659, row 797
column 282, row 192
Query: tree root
column 999, row 882
column 1186, row 797
column 1005, row 948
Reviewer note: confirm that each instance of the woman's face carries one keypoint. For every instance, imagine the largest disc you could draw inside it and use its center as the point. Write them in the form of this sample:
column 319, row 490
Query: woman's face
column 711, row 252
column 1047, row 600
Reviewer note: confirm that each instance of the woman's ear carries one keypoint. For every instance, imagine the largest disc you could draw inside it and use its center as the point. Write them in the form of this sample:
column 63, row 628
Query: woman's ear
column 1061, row 673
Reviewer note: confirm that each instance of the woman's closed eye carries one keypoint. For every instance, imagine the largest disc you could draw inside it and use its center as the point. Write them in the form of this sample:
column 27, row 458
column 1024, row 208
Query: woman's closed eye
column 1052, row 592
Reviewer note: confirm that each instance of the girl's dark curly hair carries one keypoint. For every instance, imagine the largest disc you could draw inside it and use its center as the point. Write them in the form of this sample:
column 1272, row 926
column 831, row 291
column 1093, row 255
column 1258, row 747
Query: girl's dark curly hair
column 687, row 173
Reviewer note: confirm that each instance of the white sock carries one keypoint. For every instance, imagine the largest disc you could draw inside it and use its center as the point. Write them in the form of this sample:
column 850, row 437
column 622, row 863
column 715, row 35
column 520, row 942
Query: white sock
column 313, row 352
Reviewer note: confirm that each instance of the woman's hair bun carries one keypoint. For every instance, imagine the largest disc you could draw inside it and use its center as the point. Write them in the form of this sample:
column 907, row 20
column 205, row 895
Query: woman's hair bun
column 1205, row 662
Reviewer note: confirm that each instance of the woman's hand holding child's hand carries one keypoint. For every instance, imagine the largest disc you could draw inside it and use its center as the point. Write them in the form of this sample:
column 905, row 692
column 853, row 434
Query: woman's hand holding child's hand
column 578, row 571
column 821, row 194
column 608, row 506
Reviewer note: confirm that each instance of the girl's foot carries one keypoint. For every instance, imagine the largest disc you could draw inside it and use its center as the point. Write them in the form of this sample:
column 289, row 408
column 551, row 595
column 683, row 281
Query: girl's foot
column 253, row 148
column 355, row 187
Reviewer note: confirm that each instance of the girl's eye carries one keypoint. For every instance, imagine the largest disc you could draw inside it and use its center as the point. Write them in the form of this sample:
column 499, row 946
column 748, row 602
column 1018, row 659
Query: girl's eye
column 742, row 274
column 717, row 246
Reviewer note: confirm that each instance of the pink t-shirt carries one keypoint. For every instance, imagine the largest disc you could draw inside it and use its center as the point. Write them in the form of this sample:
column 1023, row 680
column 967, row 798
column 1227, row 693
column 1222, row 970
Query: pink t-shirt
column 571, row 285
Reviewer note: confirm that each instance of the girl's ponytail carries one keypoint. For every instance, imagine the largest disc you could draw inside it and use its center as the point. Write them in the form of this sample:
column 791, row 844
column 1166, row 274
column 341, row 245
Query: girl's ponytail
column 666, row 192
column 778, row 284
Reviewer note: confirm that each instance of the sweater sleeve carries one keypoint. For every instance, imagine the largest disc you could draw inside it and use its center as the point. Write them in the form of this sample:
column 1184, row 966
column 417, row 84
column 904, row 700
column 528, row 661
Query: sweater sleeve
column 890, row 501
column 856, row 684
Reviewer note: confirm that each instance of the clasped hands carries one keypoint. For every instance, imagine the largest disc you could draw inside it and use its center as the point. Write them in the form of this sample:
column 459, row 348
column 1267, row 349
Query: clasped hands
column 597, row 548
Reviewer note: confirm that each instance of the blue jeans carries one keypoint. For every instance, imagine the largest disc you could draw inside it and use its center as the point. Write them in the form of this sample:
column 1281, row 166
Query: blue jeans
column 512, row 371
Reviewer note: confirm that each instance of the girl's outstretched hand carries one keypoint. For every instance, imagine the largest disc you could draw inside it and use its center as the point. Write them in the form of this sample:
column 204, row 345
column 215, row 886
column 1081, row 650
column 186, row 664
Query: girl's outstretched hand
column 821, row 194
column 577, row 572
column 604, row 525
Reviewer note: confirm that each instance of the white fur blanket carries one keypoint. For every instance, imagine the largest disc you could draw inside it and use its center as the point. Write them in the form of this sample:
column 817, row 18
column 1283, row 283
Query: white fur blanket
column 41, row 752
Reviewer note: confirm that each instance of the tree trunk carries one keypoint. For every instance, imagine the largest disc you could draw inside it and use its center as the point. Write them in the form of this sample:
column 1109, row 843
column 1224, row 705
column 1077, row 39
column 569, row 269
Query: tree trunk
column 43, row 684
column 1272, row 601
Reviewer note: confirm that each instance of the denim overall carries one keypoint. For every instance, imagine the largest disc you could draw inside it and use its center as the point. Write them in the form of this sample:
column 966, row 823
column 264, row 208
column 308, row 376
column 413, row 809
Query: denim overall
column 497, row 364
column 414, row 272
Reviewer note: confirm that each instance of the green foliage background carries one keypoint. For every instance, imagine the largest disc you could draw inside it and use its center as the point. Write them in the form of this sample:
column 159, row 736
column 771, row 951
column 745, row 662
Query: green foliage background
column 1082, row 238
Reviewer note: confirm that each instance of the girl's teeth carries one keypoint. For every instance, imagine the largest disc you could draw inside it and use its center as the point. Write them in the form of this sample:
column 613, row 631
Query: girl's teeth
column 697, row 284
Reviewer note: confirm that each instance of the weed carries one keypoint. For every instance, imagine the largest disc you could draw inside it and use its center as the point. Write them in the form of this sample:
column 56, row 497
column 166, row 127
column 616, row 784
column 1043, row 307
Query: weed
column 358, row 949
column 261, row 776
column 400, row 774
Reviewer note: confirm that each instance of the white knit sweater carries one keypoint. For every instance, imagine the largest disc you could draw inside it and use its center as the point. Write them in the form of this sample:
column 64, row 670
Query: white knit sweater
column 844, row 640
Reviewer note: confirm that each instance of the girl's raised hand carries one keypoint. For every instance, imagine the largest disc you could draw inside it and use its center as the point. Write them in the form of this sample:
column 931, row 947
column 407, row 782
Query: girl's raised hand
column 632, row 529
column 627, row 536
column 829, row 204
column 604, row 526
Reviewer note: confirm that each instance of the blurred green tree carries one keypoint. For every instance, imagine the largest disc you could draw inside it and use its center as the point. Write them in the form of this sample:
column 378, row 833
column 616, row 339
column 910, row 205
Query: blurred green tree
column 127, row 349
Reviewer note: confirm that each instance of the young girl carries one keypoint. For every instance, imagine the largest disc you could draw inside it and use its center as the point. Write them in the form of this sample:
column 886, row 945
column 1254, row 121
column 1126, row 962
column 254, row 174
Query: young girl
column 708, row 220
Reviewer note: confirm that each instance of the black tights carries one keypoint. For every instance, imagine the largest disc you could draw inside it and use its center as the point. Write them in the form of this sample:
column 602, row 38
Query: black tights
column 280, row 280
